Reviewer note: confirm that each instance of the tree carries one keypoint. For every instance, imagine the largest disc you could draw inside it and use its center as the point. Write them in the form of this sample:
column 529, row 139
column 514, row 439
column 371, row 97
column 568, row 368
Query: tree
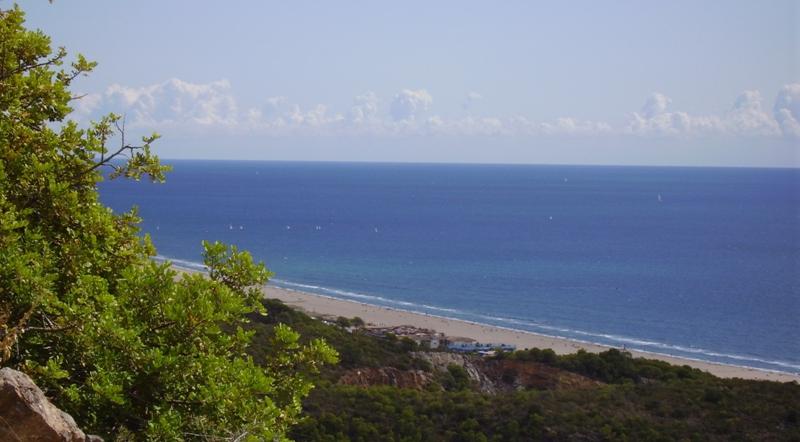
column 129, row 347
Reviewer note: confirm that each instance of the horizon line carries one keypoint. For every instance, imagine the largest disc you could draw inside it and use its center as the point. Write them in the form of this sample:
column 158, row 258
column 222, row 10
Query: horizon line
column 471, row 163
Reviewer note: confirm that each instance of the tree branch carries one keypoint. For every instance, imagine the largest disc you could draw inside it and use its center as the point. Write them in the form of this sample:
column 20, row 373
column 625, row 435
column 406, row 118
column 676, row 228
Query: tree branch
column 106, row 160
column 26, row 67
column 10, row 335
column 51, row 329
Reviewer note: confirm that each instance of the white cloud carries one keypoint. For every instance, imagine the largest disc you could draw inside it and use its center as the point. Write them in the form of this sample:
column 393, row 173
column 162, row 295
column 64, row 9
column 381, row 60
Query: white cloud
column 316, row 117
column 747, row 117
column 654, row 119
column 174, row 102
column 655, row 105
column 571, row 126
column 407, row 104
column 182, row 105
column 295, row 120
column 469, row 126
column 787, row 109
column 519, row 125
column 253, row 117
column 365, row 108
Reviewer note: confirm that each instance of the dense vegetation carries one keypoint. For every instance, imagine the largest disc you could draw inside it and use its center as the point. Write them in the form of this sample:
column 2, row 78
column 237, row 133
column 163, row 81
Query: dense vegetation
column 354, row 349
column 634, row 399
column 612, row 366
column 680, row 410
column 123, row 344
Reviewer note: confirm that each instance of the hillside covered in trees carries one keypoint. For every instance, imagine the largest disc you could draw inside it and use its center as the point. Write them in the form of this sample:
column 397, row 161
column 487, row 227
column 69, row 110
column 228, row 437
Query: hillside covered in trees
column 535, row 395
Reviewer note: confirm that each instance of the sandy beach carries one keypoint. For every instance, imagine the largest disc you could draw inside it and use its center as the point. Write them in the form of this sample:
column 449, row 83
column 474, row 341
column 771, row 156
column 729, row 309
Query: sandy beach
column 321, row 306
column 377, row 316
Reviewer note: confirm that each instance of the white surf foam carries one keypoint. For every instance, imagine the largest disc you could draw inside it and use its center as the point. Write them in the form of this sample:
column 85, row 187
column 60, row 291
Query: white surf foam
column 604, row 339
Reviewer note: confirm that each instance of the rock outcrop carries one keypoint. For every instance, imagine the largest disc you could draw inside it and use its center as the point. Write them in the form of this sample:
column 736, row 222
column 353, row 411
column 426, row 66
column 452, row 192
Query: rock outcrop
column 496, row 375
column 27, row 415
column 487, row 375
column 367, row 376
column 471, row 364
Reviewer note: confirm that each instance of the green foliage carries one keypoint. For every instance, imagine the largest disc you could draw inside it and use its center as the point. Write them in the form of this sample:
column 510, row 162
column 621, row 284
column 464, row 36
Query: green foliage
column 129, row 347
column 355, row 349
column 343, row 322
column 454, row 379
column 612, row 366
column 661, row 411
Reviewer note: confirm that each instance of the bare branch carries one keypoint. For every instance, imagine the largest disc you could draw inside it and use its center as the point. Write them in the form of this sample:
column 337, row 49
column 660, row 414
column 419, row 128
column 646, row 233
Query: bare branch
column 11, row 334
column 51, row 329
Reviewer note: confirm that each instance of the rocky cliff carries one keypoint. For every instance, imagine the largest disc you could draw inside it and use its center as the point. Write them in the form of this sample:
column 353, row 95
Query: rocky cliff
column 487, row 375
column 386, row 376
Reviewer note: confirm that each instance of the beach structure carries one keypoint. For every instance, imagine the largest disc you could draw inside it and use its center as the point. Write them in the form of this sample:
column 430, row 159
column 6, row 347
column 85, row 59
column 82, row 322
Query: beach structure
column 421, row 336
column 433, row 341
column 478, row 347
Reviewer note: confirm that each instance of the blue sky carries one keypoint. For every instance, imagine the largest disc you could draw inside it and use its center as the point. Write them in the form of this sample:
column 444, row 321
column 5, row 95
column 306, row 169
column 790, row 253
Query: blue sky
column 687, row 83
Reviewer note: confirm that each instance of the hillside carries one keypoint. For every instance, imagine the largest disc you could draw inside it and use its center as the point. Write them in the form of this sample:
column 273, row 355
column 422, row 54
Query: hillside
column 386, row 389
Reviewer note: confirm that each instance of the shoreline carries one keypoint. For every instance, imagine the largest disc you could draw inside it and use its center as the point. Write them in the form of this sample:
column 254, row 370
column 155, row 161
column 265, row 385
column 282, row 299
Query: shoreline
column 378, row 316
column 328, row 306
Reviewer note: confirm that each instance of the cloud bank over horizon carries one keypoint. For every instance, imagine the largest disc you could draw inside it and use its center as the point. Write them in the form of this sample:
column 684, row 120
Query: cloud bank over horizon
column 656, row 83
column 175, row 104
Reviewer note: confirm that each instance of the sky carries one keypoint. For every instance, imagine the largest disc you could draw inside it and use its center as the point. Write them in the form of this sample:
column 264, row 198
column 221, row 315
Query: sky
column 692, row 83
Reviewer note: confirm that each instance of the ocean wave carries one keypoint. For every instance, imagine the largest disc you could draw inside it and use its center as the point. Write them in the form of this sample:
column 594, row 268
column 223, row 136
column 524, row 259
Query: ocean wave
column 567, row 333
column 354, row 295
column 646, row 343
column 192, row 265
column 605, row 339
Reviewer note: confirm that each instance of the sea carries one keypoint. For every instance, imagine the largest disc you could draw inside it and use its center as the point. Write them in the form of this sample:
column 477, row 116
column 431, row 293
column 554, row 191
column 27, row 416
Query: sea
column 701, row 263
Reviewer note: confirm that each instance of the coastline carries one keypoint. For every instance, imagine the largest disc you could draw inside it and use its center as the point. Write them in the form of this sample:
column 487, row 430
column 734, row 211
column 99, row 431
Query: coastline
column 318, row 305
column 379, row 316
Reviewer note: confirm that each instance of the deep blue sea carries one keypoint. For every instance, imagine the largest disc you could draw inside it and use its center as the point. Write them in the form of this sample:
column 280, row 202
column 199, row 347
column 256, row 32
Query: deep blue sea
column 695, row 262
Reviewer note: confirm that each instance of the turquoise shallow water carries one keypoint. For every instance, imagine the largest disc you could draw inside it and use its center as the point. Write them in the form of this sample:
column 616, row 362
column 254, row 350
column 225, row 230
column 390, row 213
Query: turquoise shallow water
column 694, row 262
